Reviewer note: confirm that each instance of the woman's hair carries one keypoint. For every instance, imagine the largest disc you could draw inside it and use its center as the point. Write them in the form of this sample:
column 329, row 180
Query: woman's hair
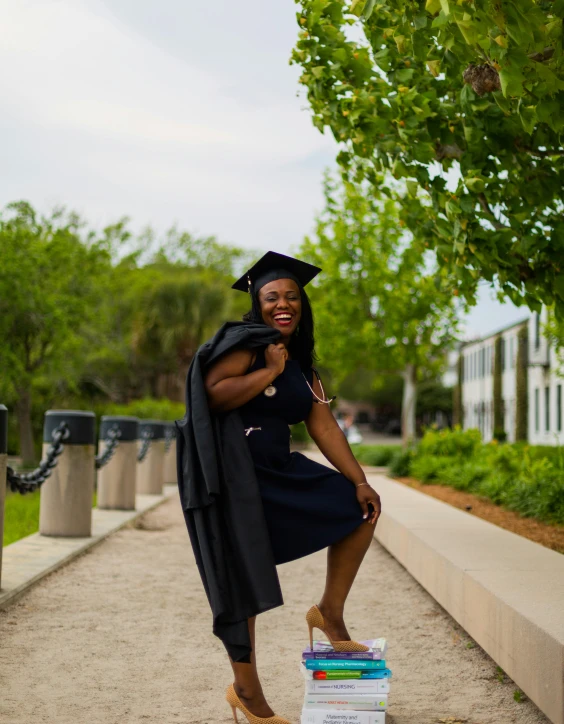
column 302, row 344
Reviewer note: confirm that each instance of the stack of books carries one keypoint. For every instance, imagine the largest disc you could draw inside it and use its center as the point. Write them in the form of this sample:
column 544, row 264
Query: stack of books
column 345, row 688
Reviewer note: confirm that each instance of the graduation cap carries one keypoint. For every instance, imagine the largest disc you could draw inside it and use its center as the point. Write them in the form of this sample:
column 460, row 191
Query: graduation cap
column 273, row 266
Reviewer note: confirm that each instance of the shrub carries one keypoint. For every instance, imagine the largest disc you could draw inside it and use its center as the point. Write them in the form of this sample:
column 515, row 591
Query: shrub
column 504, row 459
column 539, row 492
column 299, row 433
column 429, row 467
column 467, row 476
column 401, row 462
column 149, row 408
column 457, row 442
column 377, row 455
column 495, row 487
column 526, row 478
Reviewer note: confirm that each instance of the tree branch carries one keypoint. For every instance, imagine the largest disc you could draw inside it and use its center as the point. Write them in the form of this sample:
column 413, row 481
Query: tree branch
column 487, row 210
column 103, row 387
column 545, row 54
column 542, row 154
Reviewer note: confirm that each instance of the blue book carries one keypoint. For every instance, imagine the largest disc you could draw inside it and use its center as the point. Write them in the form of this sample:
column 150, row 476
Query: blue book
column 355, row 665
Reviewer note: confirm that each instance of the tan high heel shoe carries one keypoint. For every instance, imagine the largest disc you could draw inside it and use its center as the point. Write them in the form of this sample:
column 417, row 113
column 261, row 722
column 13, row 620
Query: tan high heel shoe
column 236, row 703
column 315, row 619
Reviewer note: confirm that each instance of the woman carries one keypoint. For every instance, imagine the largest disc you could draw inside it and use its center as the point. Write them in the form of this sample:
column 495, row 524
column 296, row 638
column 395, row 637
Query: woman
column 307, row 506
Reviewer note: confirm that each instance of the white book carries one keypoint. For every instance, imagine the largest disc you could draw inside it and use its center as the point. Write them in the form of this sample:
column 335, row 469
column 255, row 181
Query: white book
column 350, row 702
column 317, row 716
column 348, row 686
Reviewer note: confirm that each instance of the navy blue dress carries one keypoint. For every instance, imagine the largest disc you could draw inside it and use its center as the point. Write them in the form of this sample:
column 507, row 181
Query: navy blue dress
column 307, row 506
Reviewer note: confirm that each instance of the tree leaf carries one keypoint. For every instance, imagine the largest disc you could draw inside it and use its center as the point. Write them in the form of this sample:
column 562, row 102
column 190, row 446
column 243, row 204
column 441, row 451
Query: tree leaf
column 475, row 184
column 445, row 6
column 368, row 9
column 528, row 116
column 502, row 102
column 433, row 6
column 357, row 7
column 511, row 79
column 400, row 42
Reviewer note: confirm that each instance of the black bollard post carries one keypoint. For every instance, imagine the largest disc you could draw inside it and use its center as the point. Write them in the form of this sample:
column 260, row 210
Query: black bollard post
column 3, row 465
column 117, row 479
column 150, row 473
column 66, row 497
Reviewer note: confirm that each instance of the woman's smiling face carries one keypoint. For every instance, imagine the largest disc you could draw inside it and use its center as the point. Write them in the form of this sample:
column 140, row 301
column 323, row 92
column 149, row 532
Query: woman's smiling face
column 281, row 305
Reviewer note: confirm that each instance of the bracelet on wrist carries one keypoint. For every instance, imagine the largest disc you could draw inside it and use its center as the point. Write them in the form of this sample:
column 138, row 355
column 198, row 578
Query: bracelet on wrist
column 358, row 486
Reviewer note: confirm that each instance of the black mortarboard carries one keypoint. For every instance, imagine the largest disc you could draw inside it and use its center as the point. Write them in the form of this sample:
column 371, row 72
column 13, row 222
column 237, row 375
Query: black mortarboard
column 274, row 266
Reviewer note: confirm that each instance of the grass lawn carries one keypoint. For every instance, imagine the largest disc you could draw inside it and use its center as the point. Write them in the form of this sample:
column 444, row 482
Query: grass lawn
column 21, row 515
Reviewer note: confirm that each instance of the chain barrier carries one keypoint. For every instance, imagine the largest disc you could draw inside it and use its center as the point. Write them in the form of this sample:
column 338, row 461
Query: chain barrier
column 112, row 441
column 169, row 437
column 28, row 482
column 146, row 437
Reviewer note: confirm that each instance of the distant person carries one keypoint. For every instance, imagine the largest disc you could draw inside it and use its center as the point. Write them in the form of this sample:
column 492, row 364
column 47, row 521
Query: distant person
column 351, row 431
column 249, row 503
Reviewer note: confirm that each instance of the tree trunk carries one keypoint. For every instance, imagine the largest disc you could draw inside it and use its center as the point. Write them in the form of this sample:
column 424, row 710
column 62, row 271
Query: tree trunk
column 23, row 413
column 408, row 405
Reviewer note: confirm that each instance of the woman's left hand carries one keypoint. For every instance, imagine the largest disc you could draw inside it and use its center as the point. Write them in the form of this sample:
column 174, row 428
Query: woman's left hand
column 368, row 496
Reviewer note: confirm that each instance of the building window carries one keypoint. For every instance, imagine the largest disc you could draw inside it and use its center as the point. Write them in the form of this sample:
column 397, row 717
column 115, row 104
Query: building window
column 511, row 358
column 503, row 353
column 547, row 409
column 559, row 408
column 537, row 418
column 537, row 330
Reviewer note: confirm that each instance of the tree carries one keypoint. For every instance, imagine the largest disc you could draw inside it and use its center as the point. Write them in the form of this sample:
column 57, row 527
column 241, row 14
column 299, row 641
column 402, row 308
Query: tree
column 48, row 297
column 380, row 304
column 469, row 90
column 180, row 312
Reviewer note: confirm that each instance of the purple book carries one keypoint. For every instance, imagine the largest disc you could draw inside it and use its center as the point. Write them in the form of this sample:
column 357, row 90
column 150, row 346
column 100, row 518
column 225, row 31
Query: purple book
column 324, row 650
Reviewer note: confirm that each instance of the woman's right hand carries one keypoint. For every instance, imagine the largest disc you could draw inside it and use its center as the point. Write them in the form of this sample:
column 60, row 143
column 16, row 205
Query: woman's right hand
column 275, row 357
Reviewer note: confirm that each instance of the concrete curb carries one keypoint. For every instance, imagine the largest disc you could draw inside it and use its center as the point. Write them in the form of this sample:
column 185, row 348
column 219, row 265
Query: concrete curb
column 32, row 558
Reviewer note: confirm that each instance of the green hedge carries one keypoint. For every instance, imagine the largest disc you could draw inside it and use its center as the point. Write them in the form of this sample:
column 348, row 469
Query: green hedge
column 376, row 455
column 149, row 408
column 525, row 478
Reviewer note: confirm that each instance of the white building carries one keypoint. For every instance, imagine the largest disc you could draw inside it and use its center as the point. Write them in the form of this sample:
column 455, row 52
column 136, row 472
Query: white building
column 545, row 404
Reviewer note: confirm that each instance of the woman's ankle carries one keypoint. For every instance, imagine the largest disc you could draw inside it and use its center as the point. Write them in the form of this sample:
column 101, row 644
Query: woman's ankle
column 331, row 612
column 248, row 691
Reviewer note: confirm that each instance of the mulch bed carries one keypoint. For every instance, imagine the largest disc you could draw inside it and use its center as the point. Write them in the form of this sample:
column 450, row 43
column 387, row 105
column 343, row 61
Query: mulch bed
column 550, row 536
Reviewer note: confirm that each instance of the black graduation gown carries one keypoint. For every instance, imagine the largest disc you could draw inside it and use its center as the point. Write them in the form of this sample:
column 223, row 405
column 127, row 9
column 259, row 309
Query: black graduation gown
column 221, row 500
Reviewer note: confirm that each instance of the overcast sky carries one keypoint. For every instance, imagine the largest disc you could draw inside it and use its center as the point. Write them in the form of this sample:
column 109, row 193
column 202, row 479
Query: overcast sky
column 168, row 111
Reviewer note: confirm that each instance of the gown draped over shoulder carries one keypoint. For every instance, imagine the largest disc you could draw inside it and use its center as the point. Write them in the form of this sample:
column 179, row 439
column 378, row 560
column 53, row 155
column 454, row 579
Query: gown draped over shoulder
column 307, row 506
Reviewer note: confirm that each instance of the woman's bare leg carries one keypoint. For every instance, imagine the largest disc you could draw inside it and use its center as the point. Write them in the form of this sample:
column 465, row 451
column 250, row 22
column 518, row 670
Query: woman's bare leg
column 343, row 561
column 247, row 683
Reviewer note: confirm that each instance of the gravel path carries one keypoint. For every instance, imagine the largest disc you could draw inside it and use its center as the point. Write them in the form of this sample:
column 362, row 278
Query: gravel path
column 122, row 636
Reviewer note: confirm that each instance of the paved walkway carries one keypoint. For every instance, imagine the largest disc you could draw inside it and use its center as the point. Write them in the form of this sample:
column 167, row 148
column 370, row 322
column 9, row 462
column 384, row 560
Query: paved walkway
column 122, row 636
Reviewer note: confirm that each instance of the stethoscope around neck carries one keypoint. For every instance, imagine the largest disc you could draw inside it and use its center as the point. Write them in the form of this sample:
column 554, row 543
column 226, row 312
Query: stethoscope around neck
column 271, row 390
column 316, row 398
